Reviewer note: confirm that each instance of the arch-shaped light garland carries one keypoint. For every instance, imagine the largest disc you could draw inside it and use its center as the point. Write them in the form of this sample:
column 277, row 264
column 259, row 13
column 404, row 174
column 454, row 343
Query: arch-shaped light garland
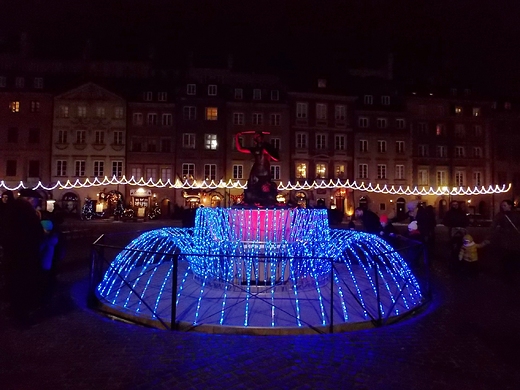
column 230, row 184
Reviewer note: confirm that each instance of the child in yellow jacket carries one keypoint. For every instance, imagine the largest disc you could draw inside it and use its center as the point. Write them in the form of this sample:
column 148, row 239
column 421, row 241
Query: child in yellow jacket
column 468, row 254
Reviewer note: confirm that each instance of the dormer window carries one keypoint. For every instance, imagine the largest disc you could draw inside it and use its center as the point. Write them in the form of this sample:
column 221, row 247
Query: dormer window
column 162, row 96
column 257, row 94
column 368, row 99
column 19, row 82
column 385, row 100
column 148, row 96
column 38, row 82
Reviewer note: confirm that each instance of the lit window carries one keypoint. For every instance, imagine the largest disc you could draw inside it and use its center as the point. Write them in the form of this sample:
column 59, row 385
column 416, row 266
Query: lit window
column 301, row 170
column 14, row 106
column 64, row 111
column 458, row 110
column 440, row 130
column 210, row 141
column 476, row 111
column 82, row 111
column 321, row 171
column 339, row 171
column 211, row 113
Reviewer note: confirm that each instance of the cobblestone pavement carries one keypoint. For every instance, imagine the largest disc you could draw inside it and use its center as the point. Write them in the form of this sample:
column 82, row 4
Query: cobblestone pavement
column 468, row 338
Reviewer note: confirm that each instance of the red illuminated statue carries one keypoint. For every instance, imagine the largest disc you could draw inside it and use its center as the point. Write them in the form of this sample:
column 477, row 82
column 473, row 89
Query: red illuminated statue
column 261, row 191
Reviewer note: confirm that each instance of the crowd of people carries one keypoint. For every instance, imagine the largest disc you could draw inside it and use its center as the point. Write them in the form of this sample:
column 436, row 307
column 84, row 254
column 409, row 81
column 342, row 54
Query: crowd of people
column 503, row 235
column 31, row 245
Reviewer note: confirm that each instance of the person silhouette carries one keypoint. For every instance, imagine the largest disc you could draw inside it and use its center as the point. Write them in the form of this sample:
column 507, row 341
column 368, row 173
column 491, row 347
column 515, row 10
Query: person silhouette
column 260, row 191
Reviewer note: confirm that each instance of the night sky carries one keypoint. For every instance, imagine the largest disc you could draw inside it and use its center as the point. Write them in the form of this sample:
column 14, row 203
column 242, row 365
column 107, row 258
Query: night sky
column 471, row 42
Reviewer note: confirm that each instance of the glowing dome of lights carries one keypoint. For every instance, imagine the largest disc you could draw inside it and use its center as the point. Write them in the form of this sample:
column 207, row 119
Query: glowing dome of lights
column 267, row 270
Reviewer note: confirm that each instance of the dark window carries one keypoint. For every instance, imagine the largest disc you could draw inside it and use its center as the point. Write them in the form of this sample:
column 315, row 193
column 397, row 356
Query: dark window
column 10, row 169
column 34, row 136
column 34, row 169
column 165, row 145
column 12, row 135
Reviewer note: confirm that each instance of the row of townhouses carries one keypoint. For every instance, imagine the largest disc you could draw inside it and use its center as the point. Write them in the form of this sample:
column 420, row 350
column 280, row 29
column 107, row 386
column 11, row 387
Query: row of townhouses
column 78, row 120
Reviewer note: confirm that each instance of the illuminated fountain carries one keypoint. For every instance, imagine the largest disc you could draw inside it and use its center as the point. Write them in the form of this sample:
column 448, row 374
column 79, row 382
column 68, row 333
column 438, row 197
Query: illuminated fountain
column 259, row 271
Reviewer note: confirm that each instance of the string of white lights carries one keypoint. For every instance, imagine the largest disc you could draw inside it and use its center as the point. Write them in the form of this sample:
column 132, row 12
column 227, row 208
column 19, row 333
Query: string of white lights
column 237, row 184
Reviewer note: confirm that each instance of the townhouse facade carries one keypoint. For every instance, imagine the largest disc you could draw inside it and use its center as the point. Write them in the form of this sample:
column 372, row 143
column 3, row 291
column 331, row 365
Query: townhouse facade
column 182, row 128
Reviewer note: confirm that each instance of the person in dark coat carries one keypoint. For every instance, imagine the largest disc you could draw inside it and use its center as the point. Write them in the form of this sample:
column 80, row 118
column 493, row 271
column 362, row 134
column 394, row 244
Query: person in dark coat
column 23, row 238
column 455, row 218
column 505, row 236
column 370, row 220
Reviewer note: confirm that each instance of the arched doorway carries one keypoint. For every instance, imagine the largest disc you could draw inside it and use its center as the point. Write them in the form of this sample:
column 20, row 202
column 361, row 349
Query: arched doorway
column 301, row 199
column 363, row 202
column 340, row 197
